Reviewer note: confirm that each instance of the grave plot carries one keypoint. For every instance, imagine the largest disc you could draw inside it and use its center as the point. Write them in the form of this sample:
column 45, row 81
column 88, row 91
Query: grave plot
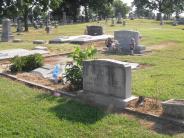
column 8, row 54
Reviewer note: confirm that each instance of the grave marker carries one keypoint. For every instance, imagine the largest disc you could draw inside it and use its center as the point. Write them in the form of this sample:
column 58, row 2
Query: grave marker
column 107, row 83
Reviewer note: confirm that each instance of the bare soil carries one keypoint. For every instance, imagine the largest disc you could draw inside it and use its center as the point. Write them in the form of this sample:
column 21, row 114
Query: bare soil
column 162, row 45
column 150, row 106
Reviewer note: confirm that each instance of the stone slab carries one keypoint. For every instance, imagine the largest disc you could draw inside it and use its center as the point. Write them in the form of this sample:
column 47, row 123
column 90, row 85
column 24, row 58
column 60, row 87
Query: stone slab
column 40, row 48
column 7, row 54
column 109, row 102
column 39, row 42
column 79, row 39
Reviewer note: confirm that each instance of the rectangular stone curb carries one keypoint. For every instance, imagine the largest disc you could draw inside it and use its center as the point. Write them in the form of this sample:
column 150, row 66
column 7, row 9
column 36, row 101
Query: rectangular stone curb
column 168, row 119
column 38, row 86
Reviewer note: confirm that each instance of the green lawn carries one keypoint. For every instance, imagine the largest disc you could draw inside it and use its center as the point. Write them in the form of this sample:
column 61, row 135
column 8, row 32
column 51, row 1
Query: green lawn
column 26, row 112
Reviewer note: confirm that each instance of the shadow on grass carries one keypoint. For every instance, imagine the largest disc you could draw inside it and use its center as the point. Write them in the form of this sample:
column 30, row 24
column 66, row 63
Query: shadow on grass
column 74, row 111
column 160, row 126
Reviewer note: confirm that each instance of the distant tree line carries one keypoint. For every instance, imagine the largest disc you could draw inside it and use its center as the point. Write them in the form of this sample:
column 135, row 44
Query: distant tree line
column 29, row 10
column 166, row 7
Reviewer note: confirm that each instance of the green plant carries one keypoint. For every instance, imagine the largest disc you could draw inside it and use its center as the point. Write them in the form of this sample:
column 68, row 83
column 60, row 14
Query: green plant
column 26, row 63
column 74, row 75
column 80, row 55
column 74, row 72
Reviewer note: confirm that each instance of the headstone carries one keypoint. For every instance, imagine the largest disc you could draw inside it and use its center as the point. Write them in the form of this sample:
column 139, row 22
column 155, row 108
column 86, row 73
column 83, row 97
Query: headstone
column 131, row 16
column 17, row 40
column 19, row 26
column 124, row 23
column 159, row 16
column 180, row 21
column 94, row 30
column 124, row 38
column 119, row 18
column 41, row 48
column 6, row 31
column 48, row 29
column 107, row 83
column 64, row 18
column 38, row 42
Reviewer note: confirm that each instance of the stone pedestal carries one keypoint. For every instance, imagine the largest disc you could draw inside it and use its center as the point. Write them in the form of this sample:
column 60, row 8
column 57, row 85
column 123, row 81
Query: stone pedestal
column 6, row 31
column 107, row 83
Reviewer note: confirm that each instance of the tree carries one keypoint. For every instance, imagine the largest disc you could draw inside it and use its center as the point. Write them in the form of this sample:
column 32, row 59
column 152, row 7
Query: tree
column 178, row 7
column 120, row 7
column 26, row 6
column 162, row 6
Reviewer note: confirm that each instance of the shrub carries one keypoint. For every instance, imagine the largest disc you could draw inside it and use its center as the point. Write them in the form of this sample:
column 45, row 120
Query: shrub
column 26, row 63
column 74, row 75
column 74, row 72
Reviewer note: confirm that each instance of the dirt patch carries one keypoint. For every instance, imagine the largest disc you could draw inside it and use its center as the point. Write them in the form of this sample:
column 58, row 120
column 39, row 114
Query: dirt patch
column 144, row 66
column 153, row 106
column 38, row 79
column 162, row 45
column 57, row 60
column 149, row 106
column 99, row 45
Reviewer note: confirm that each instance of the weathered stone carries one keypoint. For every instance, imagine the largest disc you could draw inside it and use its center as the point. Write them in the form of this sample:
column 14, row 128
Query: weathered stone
column 124, row 38
column 79, row 39
column 64, row 18
column 48, row 29
column 41, row 48
column 119, row 18
column 6, row 54
column 174, row 108
column 38, row 42
column 94, row 30
column 180, row 21
column 19, row 26
column 6, row 31
column 17, row 40
column 107, row 83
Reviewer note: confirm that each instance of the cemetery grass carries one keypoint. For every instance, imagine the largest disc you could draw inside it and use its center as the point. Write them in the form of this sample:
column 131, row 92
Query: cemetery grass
column 26, row 112
column 163, row 75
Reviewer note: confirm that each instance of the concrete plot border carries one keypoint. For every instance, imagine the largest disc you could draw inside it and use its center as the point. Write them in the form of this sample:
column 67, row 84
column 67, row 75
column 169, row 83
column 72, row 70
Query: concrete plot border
column 38, row 86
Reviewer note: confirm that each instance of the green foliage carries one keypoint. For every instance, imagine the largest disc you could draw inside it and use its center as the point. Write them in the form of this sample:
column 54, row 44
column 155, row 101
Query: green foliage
column 120, row 7
column 74, row 72
column 74, row 75
column 27, row 63
column 80, row 55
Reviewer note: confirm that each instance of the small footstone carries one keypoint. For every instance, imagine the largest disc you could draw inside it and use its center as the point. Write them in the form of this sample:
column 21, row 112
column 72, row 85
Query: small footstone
column 41, row 48
column 38, row 42
column 17, row 40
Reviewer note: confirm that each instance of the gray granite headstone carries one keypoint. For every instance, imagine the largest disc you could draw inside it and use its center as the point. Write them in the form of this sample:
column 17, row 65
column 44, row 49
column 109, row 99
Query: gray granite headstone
column 64, row 18
column 107, row 83
column 119, row 18
column 6, row 31
column 124, row 39
column 19, row 26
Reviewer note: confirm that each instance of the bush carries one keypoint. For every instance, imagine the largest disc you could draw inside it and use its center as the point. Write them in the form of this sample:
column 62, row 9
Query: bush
column 26, row 63
column 74, row 75
column 74, row 72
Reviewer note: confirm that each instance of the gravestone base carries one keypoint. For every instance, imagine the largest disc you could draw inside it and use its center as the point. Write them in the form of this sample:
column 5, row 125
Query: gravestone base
column 110, row 103
column 137, row 50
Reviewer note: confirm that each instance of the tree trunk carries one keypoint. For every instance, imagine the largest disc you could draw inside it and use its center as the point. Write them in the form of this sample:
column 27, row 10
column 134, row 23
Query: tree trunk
column 26, row 20
column 86, row 13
